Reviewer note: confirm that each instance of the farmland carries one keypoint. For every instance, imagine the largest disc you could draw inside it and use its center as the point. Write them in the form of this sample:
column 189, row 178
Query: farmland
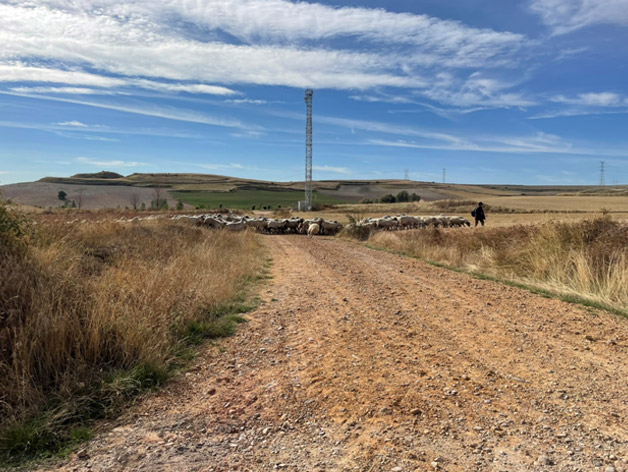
column 247, row 199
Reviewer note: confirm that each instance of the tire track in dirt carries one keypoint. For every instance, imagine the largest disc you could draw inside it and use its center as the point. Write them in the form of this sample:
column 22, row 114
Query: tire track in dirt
column 361, row 360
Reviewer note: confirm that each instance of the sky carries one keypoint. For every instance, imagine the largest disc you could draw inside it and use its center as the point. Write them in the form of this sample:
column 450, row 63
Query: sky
column 493, row 91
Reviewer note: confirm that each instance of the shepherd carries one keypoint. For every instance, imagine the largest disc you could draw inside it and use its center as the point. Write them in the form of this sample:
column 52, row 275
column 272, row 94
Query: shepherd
column 478, row 214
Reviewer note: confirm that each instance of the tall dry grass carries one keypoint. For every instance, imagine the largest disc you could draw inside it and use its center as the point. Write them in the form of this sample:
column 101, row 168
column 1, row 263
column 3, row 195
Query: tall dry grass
column 588, row 258
column 86, row 307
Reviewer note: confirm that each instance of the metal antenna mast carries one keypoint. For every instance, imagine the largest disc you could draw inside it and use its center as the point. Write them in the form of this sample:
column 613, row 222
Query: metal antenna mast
column 308, row 149
column 444, row 175
column 602, row 172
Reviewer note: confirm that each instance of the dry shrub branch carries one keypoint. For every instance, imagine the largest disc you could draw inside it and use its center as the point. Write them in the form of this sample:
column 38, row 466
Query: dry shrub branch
column 86, row 308
column 587, row 258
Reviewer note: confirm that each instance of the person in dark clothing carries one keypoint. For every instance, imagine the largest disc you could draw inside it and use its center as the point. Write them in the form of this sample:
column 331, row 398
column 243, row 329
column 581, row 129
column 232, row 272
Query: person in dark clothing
column 479, row 215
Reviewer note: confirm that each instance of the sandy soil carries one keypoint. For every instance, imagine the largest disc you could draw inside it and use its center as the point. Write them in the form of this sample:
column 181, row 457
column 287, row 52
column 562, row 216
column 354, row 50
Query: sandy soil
column 360, row 360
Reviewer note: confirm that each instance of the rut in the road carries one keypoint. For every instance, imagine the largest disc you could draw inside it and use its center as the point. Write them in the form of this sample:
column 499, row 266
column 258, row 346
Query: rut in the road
column 362, row 360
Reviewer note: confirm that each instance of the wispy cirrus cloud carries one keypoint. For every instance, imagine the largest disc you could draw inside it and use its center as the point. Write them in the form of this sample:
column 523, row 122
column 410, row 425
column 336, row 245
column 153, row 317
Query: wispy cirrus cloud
column 332, row 169
column 102, row 129
column 232, row 165
column 90, row 83
column 596, row 99
column 170, row 113
column 564, row 16
column 112, row 163
column 539, row 143
column 74, row 123
column 590, row 103
column 276, row 44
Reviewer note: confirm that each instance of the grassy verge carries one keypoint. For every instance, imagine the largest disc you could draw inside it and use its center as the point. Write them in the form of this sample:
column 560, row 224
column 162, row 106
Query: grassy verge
column 582, row 262
column 92, row 315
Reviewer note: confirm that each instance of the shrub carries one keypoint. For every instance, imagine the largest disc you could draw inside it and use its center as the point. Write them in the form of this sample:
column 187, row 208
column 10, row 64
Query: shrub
column 388, row 198
column 403, row 196
column 14, row 226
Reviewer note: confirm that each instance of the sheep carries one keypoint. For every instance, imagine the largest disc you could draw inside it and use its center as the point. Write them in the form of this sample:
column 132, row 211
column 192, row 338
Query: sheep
column 459, row 221
column 236, row 225
column 409, row 221
column 330, row 227
column 214, row 222
column 258, row 224
column 312, row 230
column 293, row 224
column 387, row 223
column 276, row 226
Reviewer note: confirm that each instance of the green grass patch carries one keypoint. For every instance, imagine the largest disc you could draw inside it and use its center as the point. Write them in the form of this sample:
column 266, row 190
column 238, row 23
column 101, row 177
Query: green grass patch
column 246, row 199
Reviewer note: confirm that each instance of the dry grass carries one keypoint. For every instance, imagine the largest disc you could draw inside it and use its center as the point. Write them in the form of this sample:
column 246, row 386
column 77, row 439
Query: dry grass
column 90, row 312
column 562, row 203
column 588, row 258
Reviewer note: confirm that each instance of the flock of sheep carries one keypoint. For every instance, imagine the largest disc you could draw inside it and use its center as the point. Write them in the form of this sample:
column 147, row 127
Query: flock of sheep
column 310, row 227
column 391, row 223
column 270, row 225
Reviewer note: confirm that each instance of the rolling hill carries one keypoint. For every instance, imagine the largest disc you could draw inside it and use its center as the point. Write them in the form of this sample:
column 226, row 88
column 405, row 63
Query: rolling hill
column 110, row 190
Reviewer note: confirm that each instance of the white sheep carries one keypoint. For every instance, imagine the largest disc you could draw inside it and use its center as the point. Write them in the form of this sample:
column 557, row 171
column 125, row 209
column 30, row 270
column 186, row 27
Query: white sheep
column 313, row 229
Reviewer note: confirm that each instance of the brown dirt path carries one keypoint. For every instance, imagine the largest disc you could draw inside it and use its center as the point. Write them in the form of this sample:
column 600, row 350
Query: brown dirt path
column 360, row 360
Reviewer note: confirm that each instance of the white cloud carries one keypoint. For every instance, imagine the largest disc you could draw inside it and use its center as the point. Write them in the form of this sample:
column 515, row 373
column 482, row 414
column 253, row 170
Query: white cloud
column 601, row 99
column 66, row 126
column 170, row 113
column 144, row 39
column 249, row 101
column 115, row 163
column 539, row 143
column 73, row 123
column 591, row 103
column 564, row 16
column 20, row 72
column 332, row 169
column 60, row 90
column 221, row 166
column 476, row 89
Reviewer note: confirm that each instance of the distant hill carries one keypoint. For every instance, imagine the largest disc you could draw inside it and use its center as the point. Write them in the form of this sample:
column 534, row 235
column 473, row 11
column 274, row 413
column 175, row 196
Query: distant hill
column 109, row 190
column 98, row 175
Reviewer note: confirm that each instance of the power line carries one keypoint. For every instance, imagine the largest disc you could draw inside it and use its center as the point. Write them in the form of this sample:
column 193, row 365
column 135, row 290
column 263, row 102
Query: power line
column 308, row 149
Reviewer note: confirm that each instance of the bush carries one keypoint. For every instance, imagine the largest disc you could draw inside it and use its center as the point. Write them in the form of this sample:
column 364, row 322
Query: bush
column 388, row 198
column 403, row 196
column 159, row 204
column 415, row 198
column 14, row 226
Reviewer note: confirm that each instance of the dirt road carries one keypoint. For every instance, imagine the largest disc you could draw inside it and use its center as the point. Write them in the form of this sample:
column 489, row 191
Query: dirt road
column 360, row 360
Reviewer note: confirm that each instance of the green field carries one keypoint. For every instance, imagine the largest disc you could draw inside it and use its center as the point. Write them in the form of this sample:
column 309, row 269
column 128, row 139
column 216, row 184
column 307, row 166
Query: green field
column 246, row 199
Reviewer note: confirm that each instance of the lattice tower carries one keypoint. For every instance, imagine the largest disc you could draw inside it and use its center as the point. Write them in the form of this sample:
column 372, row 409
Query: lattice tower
column 308, row 148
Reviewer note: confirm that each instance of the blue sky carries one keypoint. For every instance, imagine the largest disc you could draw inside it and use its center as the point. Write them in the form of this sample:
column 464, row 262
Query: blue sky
column 531, row 91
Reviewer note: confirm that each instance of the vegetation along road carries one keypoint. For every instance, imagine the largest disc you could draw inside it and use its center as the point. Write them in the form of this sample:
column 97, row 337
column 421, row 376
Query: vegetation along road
column 361, row 360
